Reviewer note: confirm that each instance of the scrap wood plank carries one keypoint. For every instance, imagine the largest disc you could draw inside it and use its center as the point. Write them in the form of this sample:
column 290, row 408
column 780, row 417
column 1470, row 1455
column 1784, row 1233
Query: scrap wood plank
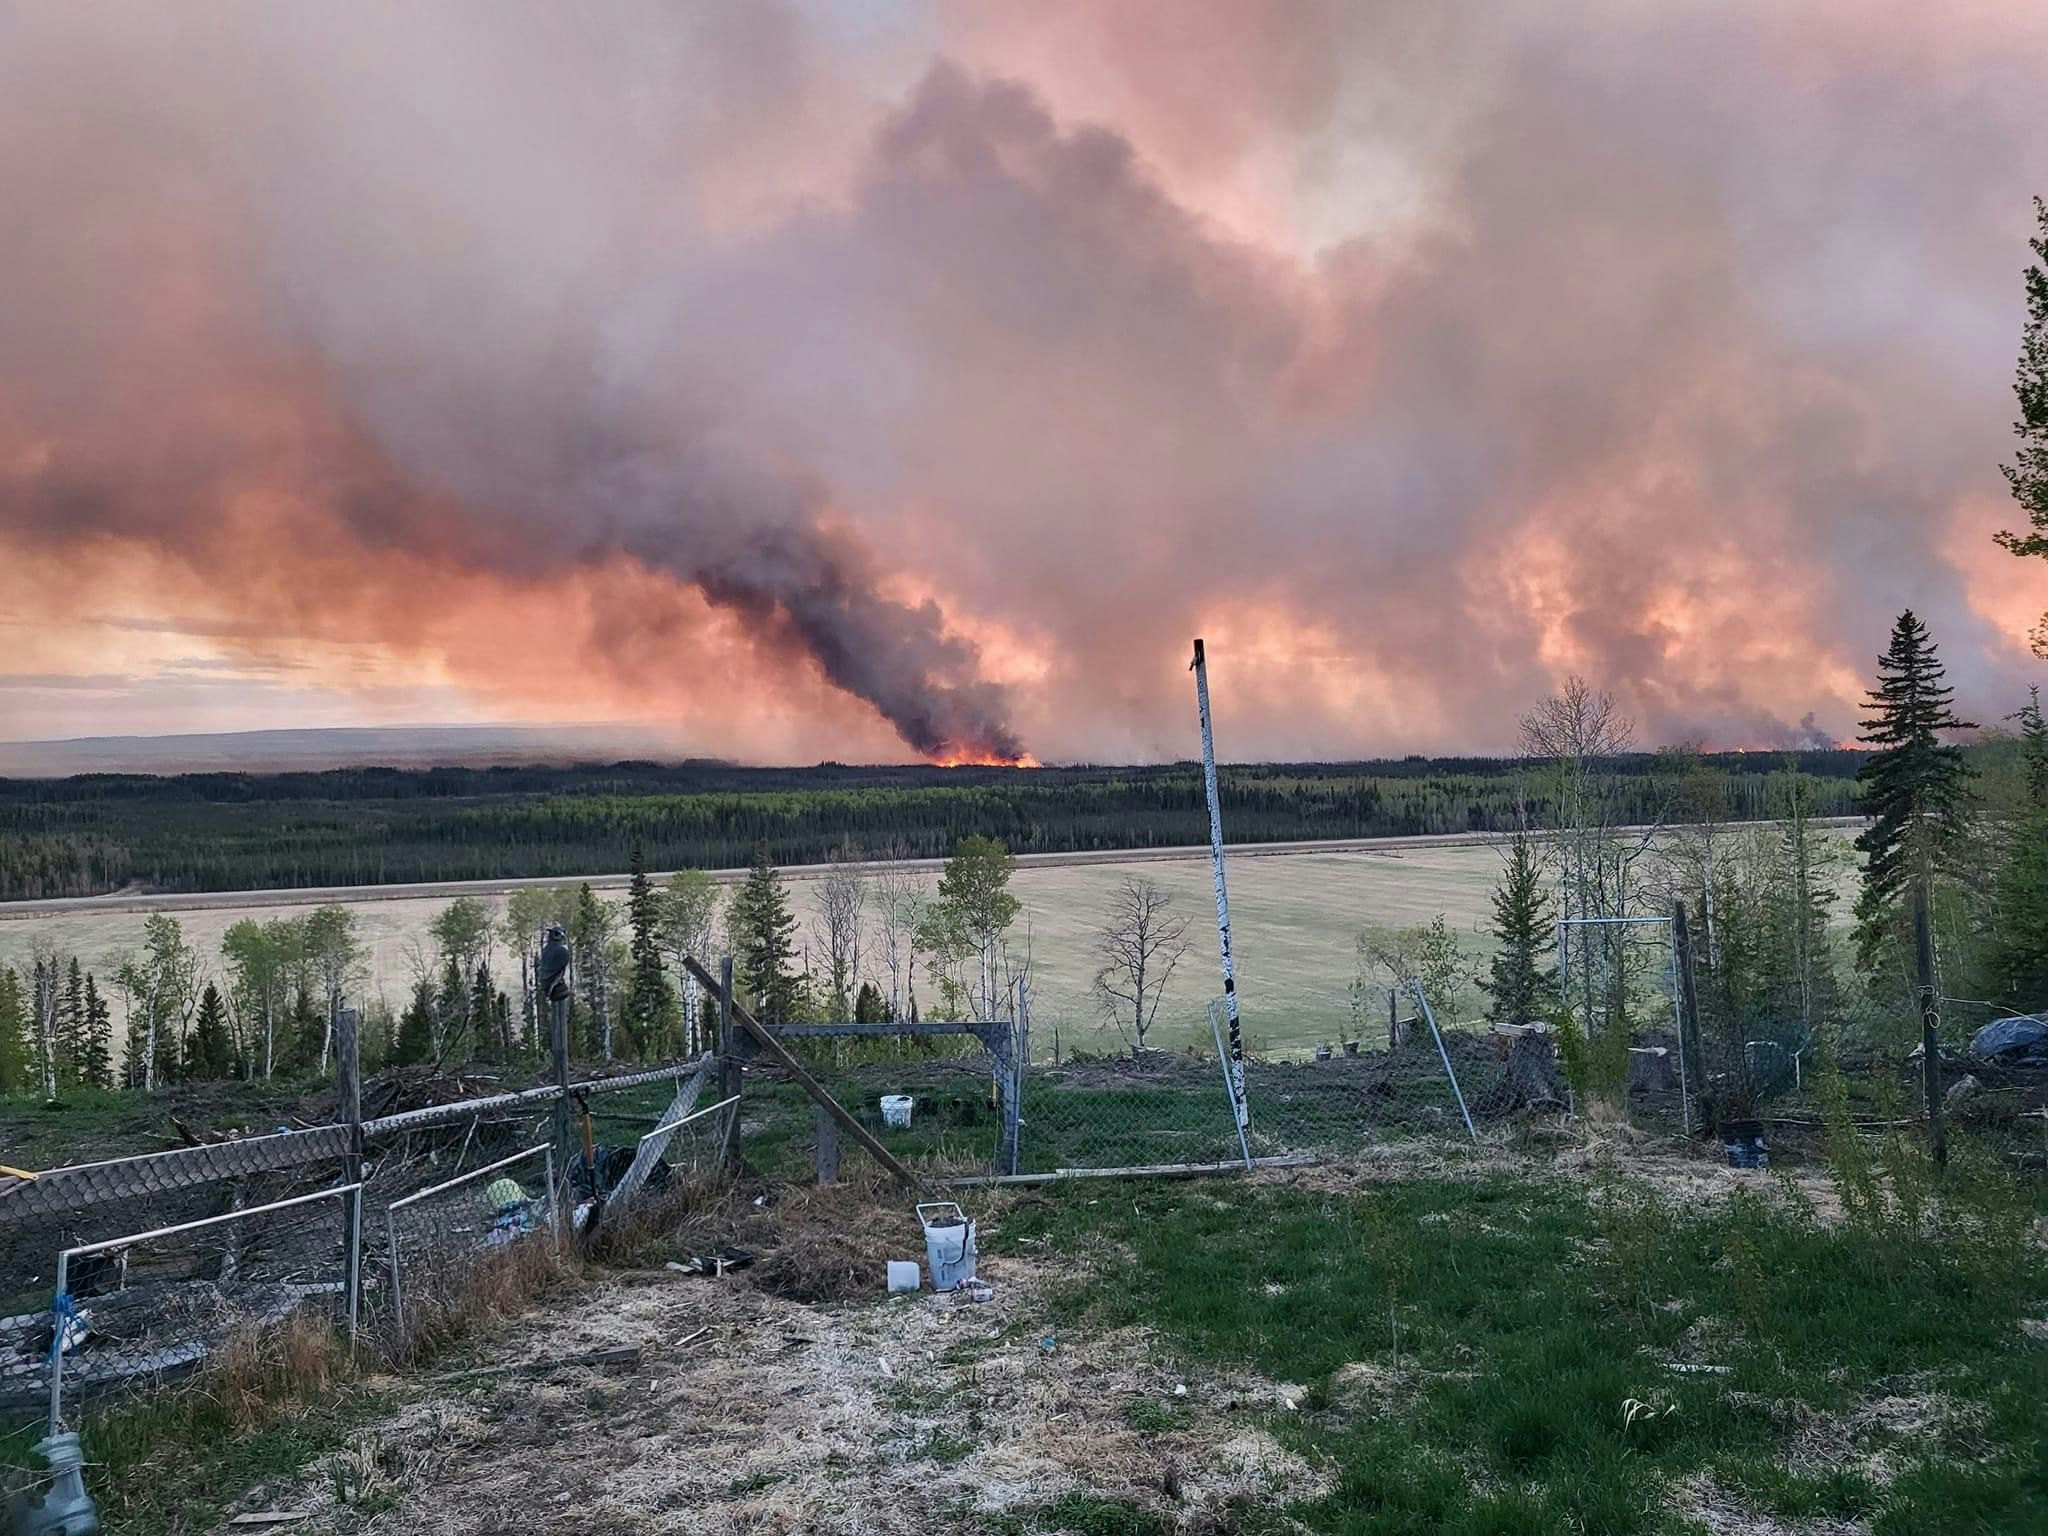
column 803, row 1079
column 271, row 1517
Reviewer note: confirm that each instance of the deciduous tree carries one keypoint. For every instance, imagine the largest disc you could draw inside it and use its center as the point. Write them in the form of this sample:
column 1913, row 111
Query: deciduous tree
column 1139, row 942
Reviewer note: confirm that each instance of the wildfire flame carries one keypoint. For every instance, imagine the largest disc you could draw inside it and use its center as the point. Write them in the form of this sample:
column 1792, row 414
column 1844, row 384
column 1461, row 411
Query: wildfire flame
column 981, row 758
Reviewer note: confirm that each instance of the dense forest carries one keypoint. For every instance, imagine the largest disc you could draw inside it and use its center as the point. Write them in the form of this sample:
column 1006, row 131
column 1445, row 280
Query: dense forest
column 373, row 826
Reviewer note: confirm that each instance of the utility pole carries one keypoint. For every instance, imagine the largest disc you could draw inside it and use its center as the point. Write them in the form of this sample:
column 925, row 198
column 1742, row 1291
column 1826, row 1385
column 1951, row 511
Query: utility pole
column 1239, row 1105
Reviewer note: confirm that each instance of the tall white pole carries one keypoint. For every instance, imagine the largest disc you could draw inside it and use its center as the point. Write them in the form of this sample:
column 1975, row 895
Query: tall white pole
column 1240, row 1106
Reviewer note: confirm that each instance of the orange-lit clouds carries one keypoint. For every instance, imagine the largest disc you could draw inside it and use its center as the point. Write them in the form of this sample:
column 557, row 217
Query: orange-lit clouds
column 837, row 381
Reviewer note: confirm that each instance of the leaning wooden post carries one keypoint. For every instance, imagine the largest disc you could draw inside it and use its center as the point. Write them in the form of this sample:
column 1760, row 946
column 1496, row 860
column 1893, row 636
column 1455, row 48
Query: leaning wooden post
column 779, row 1054
column 1930, row 1024
column 729, row 1072
column 348, row 1083
column 1691, row 1064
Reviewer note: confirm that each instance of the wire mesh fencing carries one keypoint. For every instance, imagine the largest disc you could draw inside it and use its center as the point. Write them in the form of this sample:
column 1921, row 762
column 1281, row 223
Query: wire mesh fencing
column 132, row 1309
column 437, row 1240
column 197, row 1277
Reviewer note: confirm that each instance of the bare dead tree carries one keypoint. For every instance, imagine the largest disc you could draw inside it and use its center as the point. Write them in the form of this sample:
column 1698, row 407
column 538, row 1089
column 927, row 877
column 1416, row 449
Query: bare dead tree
column 1140, row 941
column 899, row 901
column 840, row 927
column 1574, row 736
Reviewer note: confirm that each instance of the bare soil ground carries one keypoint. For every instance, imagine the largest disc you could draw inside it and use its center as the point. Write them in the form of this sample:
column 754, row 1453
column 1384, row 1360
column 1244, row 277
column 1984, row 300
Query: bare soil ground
column 908, row 1414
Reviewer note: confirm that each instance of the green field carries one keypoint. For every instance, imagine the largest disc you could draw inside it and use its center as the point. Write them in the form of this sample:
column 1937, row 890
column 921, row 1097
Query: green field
column 1295, row 920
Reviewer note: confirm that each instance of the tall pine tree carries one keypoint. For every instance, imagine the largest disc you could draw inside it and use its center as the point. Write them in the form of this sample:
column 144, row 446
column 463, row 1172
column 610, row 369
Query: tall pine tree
column 763, row 941
column 17, row 1073
column 1520, row 981
column 209, row 1056
column 649, row 1002
column 71, row 1025
column 1916, row 787
column 96, row 1064
column 2028, row 473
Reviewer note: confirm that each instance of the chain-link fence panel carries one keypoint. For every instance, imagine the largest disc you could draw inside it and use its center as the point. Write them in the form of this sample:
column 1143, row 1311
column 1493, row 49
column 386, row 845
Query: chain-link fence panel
column 69, row 1208
column 436, row 1241
column 936, row 1103
column 130, row 1310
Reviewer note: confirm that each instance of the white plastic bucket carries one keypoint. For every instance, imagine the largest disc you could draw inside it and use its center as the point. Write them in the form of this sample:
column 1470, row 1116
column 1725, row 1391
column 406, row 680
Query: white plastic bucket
column 948, row 1245
column 896, row 1110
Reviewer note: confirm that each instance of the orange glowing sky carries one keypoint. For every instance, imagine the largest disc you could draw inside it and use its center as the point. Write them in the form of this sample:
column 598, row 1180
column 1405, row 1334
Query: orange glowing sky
column 858, row 380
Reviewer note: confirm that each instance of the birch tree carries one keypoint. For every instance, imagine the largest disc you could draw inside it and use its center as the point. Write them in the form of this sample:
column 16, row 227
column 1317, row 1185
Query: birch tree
column 840, row 928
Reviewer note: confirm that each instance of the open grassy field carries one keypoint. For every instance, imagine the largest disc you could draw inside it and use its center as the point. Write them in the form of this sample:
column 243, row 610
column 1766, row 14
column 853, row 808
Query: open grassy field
column 1295, row 919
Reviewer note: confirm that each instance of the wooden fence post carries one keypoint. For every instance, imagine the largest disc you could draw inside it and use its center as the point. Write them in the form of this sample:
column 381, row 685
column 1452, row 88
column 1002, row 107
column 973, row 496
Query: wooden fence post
column 558, row 1046
column 348, row 1084
column 828, row 1148
column 1930, row 1024
column 728, row 1064
column 1690, row 1060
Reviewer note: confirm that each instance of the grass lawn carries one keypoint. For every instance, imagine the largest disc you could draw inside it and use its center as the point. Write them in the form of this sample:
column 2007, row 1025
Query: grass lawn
column 1497, row 1357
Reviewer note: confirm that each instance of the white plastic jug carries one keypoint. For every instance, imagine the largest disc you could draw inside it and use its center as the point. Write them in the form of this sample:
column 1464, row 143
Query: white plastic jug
column 948, row 1245
column 896, row 1110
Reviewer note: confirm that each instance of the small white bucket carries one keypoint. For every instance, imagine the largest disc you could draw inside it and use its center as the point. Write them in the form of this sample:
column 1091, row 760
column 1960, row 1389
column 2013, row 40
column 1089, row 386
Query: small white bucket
column 896, row 1110
column 948, row 1245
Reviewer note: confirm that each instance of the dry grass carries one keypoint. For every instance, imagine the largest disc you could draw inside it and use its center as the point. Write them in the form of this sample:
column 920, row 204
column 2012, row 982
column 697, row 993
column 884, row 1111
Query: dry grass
column 476, row 1295
column 259, row 1370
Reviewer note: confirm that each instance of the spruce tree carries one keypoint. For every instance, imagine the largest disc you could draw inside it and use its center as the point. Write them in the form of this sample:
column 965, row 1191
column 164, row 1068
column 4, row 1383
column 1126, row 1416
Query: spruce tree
column 2019, row 929
column 1915, row 786
column 71, row 1025
column 649, row 1000
column 482, row 1013
column 96, row 1064
column 16, row 1071
column 763, row 930
column 869, row 1006
column 2033, row 748
column 451, row 1007
column 208, row 1055
column 2028, row 473
column 1520, row 981
column 414, row 1040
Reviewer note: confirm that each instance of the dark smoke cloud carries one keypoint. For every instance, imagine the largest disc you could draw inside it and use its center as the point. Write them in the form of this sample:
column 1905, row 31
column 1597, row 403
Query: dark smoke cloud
column 1415, row 356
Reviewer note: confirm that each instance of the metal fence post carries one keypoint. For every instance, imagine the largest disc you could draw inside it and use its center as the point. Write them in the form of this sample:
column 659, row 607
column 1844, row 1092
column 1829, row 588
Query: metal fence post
column 1438, row 1035
column 728, row 1064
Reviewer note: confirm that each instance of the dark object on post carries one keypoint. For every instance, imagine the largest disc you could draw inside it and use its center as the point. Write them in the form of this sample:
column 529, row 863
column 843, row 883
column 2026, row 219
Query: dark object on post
column 2021, row 1041
column 552, row 973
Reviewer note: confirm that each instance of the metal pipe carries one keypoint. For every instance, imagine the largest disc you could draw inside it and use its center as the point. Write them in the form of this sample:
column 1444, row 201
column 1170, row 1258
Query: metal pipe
column 696, row 1114
column 1240, row 1107
column 355, row 1261
column 397, row 1295
column 60, row 1320
column 463, row 1178
column 1216, row 1032
column 1438, row 1035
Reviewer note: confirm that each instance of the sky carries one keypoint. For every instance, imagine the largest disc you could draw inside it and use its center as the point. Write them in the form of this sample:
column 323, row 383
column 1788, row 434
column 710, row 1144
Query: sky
column 908, row 378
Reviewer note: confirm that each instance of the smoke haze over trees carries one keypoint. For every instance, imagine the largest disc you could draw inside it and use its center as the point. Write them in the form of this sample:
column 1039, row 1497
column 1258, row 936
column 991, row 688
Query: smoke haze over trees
column 870, row 381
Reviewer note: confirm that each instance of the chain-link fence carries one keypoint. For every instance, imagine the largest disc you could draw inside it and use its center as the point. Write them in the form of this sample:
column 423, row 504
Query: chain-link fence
column 436, row 1239
column 132, row 1309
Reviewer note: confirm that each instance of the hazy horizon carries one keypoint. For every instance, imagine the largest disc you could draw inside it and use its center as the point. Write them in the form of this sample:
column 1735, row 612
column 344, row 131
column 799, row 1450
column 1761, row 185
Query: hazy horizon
column 846, row 379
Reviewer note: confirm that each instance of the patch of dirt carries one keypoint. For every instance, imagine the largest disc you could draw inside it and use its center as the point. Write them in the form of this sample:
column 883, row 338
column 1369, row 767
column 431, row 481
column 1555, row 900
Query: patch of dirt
column 909, row 1414
column 1881, row 1435
column 1722, row 1513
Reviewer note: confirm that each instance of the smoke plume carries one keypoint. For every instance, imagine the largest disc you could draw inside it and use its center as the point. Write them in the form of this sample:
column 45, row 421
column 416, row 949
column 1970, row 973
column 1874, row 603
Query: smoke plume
column 825, row 377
